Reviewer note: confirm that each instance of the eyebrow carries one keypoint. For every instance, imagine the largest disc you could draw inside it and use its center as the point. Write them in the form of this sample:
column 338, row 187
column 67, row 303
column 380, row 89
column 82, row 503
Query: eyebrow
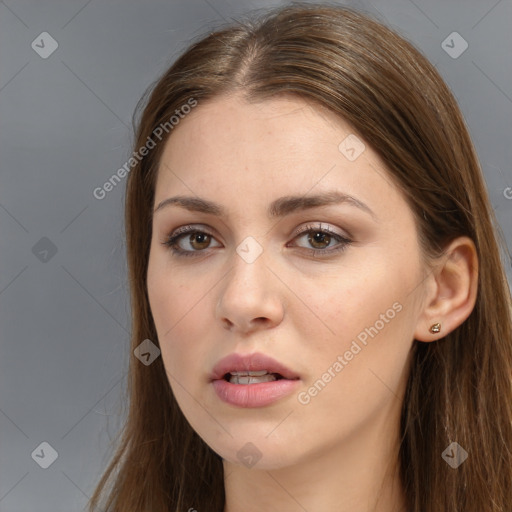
column 278, row 208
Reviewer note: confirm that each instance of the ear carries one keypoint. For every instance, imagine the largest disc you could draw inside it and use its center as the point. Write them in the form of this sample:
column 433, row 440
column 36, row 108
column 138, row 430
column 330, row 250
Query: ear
column 451, row 290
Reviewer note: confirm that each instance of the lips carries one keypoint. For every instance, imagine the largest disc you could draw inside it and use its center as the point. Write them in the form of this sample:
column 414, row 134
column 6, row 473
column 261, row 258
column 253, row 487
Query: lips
column 252, row 380
column 238, row 364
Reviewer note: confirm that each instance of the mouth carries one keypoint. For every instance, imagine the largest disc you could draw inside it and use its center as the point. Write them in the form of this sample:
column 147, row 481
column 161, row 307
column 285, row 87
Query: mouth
column 254, row 377
column 252, row 380
column 251, row 369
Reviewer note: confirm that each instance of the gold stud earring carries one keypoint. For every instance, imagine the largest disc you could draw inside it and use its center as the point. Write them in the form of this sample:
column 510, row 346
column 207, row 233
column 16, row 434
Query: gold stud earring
column 435, row 328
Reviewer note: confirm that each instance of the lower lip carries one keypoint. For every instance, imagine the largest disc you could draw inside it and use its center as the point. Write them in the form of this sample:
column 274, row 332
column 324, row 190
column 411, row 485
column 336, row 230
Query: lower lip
column 253, row 395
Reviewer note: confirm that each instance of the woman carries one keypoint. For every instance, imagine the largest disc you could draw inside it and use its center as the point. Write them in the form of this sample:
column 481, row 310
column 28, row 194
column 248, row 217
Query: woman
column 312, row 249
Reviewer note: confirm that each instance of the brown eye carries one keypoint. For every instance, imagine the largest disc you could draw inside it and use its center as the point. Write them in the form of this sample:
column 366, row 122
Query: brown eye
column 319, row 240
column 190, row 242
column 199, row 241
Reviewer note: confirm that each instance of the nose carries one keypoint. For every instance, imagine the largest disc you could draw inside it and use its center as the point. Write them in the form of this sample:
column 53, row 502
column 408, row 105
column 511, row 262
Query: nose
column 251, row 297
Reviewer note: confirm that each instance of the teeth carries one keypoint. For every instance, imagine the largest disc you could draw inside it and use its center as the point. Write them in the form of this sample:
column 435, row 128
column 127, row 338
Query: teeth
column 259, row 373
column 246, row 378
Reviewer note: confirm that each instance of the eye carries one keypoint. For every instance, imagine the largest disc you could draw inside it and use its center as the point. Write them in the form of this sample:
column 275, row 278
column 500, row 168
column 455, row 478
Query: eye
column 322, row 240
column 188, row 241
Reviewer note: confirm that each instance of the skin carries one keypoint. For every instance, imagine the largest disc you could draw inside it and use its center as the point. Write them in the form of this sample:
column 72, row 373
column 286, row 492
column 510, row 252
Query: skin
column 339, row 451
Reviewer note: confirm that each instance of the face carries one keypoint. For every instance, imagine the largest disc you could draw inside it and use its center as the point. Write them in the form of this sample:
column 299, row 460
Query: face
column 327, row 284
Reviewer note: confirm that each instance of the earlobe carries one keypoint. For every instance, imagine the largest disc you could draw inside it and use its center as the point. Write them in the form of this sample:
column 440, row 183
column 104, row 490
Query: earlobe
column 455, row 285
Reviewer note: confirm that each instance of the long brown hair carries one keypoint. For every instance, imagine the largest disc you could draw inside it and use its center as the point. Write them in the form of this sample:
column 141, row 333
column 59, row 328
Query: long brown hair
column 459, row 388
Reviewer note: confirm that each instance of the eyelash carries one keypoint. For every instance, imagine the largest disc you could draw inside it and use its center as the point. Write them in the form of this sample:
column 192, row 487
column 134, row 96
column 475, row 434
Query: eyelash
column 172, row 241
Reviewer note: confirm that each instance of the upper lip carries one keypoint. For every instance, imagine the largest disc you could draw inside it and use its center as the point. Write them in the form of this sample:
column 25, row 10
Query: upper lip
column 250, row 362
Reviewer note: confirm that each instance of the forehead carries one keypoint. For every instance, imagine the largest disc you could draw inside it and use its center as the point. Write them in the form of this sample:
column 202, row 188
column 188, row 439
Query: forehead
column 229, row 126
column 227, row 147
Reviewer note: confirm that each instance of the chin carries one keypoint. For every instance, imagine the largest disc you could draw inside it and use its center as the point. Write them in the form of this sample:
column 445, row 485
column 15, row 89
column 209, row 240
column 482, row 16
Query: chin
column 258, row 453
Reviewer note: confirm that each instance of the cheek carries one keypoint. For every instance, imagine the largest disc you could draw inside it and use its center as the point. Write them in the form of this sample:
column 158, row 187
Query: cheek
column 177, row 310
column 365, row 316
column 170, row 299
column 359, row 371
column 345, row 303
column 161, row 295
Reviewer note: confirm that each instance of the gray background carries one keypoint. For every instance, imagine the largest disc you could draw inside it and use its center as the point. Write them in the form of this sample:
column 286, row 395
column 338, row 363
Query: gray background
column 65, row 128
